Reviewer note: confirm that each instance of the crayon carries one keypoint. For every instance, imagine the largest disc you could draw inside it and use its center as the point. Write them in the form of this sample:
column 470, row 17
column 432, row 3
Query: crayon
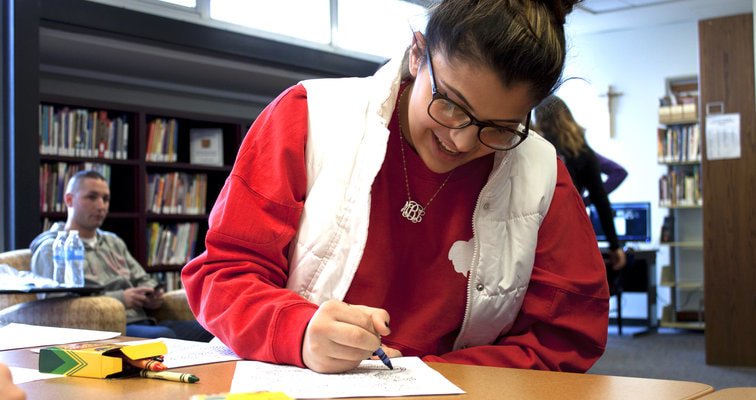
column 169, row 376
column 151, row 364
column 384, row 358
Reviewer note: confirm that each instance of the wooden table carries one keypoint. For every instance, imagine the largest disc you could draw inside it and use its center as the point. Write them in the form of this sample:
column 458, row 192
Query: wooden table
column 478, row 382
column 740, row 393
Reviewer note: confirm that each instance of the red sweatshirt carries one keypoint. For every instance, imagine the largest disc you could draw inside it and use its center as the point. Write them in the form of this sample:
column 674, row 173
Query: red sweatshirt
column 237, row 286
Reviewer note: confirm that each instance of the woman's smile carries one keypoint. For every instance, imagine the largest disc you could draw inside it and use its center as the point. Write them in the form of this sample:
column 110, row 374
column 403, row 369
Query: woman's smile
column 444, row 147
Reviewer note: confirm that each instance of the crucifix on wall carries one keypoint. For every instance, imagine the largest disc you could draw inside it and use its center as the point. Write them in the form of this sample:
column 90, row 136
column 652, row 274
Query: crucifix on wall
column 610, row 96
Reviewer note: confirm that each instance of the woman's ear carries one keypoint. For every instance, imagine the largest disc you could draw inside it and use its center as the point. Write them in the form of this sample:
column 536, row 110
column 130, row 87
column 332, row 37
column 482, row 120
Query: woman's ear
column 417, row 50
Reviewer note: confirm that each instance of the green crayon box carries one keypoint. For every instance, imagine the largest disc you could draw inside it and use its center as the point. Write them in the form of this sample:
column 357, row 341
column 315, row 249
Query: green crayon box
column 96, row 360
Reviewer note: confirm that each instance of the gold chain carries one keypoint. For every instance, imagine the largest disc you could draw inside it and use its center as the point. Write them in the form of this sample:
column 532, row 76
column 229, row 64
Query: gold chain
column 412, row 210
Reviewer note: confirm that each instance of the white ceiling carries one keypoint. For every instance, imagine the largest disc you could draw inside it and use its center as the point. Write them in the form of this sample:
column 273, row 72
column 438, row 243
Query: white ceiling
column 594, row 16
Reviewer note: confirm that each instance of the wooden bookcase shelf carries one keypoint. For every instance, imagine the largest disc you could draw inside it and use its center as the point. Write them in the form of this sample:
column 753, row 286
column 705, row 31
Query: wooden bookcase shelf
column 687, row 245
column 692, row 325
column 681, row 206
column 130, row 216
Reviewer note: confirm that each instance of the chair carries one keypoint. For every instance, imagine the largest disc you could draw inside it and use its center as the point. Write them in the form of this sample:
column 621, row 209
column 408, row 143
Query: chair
column 90, row 312
column 616, row 281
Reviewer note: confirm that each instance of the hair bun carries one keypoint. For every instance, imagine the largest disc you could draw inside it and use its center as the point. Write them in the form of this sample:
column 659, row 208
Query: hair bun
column 567, row 5
column 560, row 8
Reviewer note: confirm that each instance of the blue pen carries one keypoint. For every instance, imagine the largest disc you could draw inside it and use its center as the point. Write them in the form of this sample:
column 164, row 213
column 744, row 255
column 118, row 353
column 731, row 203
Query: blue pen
column 384, row 358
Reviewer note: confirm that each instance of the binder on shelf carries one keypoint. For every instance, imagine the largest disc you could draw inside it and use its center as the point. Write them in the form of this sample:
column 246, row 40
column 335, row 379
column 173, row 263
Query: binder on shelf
column 667, row 276
column 668, row 229
column 206, row 146
column 689, row 111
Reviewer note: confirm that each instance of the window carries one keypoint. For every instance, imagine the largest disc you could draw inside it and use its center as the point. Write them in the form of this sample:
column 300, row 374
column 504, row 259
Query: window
column 185, row 3
column 375, row 27
column 304, row 19
column 380, row 27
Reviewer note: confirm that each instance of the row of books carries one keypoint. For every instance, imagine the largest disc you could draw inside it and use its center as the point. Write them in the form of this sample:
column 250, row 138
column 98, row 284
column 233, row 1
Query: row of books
column 176, row 193
column 162, row 139
column 171, row 279
column 82, row 133
column 679, row 143
column 171, row 244
column 681, row 188
column 53, row 178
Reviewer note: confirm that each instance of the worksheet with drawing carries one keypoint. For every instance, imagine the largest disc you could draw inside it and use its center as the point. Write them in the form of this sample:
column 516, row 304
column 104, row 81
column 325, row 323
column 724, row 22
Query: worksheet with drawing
column 409, row 377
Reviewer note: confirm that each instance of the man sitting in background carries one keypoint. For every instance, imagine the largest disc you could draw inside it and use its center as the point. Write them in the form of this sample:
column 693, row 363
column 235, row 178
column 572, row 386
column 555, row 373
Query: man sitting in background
column 107, row 261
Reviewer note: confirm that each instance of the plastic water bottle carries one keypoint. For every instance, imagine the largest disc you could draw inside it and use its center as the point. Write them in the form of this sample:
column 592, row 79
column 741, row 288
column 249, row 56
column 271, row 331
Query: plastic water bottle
column 74, row 249
column 59, row 258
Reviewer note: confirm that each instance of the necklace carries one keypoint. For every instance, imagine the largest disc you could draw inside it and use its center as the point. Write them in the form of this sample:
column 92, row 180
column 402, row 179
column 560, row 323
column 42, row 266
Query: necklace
column 413, row 210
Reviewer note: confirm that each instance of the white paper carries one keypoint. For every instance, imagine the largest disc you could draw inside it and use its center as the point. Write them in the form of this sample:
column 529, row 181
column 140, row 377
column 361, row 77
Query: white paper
column 723, row 136
column 409, row 377
column 23, row 375
column 186, row 352
column 17, row 336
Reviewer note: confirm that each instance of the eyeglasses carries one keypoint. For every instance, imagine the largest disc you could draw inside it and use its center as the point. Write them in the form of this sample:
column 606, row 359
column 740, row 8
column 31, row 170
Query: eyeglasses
column 451, row 115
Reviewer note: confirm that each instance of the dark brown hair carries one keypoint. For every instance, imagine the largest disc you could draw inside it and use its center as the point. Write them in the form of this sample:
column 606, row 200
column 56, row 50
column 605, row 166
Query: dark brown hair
column 523, row 40
column 73, row 183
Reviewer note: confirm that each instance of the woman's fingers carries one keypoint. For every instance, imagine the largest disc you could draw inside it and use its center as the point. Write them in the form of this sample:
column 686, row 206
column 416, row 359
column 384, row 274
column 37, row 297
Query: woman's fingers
column 340, row 335
column 379, row 319
column 391, row 352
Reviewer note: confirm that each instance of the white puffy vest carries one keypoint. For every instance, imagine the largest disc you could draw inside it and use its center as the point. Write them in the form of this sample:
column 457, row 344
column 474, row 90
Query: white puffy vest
column 346, row 145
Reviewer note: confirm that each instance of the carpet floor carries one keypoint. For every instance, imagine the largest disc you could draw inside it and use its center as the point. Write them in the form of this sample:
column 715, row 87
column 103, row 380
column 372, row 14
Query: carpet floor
column 668, row 354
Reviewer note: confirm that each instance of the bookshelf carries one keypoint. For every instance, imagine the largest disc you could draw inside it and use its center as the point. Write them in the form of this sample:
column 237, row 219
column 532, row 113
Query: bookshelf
column 159, row 203
column 680, row 192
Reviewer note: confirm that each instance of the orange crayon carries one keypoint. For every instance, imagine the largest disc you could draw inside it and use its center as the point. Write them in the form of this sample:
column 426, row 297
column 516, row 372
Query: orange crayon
column 150, row 364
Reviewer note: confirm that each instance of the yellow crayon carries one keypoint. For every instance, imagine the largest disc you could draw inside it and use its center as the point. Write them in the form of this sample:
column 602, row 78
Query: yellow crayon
column 169, row 376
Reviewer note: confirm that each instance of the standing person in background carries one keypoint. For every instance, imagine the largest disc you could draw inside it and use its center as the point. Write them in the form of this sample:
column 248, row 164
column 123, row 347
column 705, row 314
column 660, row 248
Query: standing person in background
column 615, row 175
column 108, row 262
column 556, row 123
column 417, row 195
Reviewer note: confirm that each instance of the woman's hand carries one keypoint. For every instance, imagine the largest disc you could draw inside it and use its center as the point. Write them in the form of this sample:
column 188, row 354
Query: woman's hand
column 617, row 258
column 339, row 336
column 390, row 352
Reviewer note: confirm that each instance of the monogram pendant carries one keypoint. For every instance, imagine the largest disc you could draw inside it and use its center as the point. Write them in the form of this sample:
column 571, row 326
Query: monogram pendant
column 413, row 211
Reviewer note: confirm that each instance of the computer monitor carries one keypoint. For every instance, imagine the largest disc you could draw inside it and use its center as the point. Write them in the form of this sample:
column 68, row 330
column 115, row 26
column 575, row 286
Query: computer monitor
column 632, row 221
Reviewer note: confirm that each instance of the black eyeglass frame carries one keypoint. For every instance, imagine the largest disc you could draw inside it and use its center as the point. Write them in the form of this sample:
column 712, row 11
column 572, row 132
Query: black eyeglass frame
column 472, row 120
